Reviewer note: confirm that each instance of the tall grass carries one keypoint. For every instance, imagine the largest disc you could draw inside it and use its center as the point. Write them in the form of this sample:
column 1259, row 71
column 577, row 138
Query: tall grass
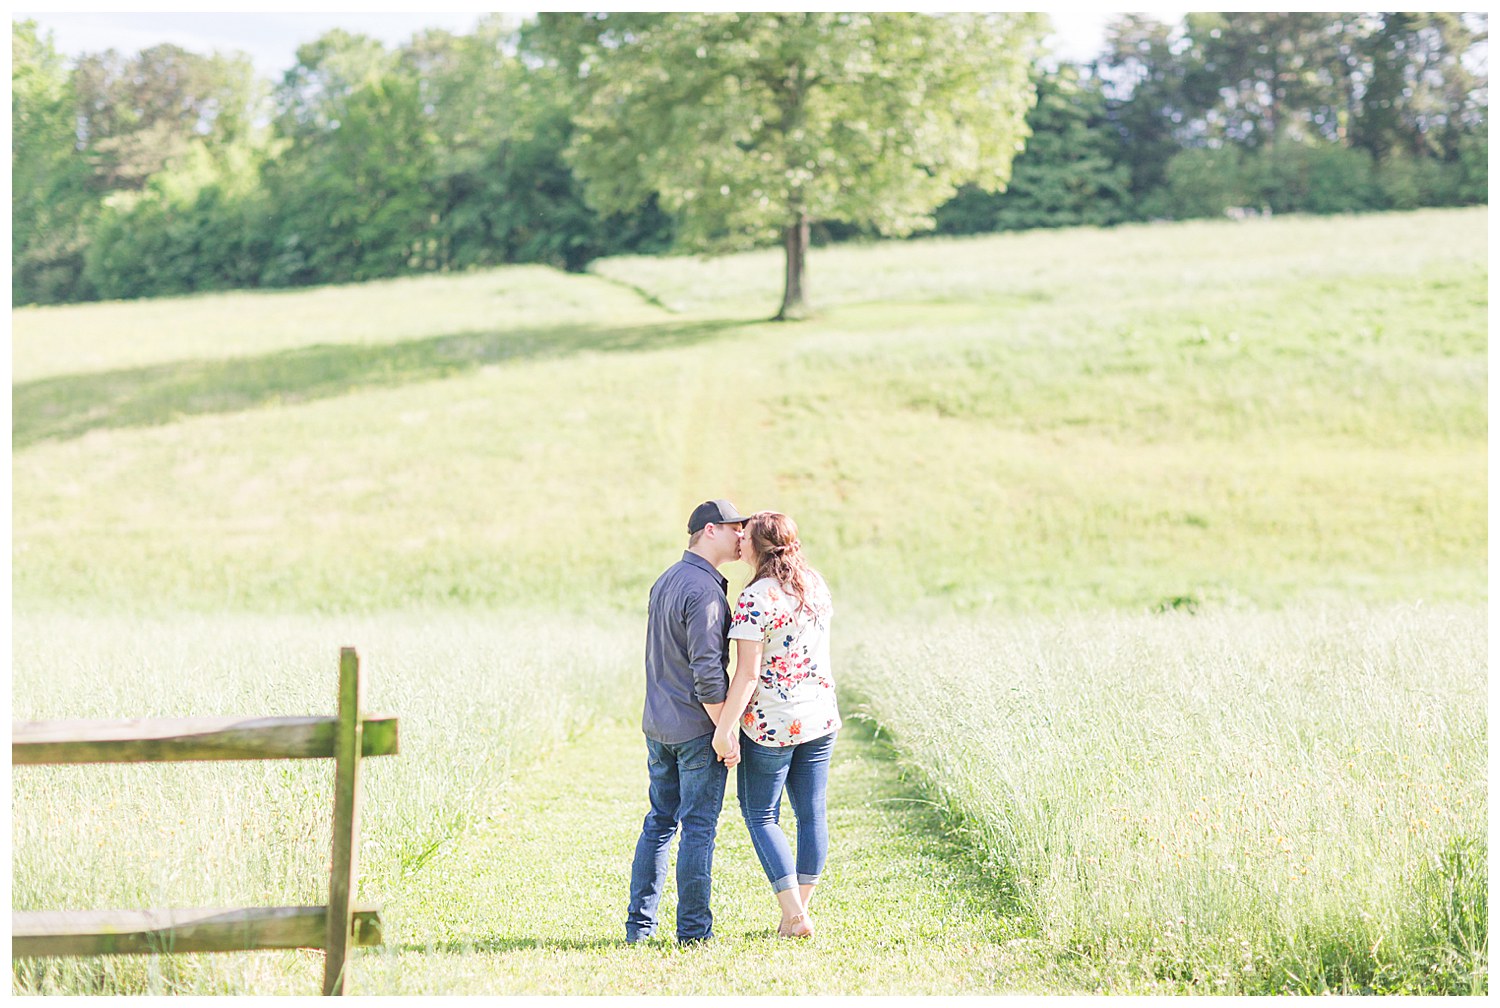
column 478, row 701
column 1228, row 803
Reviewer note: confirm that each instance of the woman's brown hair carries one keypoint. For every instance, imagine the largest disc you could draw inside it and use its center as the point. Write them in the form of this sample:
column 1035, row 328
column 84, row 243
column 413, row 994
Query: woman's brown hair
column 778, row 553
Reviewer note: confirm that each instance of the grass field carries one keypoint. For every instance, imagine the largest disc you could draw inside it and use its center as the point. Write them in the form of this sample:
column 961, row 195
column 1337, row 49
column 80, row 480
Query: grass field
column 1305, row 792
column 1162, row 546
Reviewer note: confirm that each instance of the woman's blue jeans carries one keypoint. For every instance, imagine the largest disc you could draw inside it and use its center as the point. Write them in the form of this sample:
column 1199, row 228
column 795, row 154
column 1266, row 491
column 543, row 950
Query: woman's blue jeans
column 802, row 769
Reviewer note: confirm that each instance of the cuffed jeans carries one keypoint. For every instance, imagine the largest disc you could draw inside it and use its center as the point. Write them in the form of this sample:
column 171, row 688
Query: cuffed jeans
column 803, row 770
column 687, row 787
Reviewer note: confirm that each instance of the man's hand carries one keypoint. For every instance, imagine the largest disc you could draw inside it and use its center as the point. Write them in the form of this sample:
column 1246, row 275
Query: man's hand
column 727, row 745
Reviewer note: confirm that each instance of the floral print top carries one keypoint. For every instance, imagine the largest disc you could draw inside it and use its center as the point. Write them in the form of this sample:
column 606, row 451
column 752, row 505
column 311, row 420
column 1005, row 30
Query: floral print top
column 793, row 700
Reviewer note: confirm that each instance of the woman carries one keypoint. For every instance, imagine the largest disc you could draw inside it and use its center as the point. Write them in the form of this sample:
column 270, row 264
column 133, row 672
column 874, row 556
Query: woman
column 780, row 718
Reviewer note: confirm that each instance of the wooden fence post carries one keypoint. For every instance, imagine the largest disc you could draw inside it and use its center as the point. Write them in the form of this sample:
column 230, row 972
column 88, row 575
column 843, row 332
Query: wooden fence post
column 348, row 738
column 347, row 750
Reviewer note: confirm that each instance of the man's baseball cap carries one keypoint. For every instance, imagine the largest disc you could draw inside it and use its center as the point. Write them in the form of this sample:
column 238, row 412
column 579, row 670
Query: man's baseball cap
column 719, row 512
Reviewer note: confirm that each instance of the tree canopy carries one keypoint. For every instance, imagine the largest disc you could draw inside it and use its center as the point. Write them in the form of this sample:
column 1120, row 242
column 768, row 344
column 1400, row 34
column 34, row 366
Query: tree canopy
column 749, row 127
column 574, row 136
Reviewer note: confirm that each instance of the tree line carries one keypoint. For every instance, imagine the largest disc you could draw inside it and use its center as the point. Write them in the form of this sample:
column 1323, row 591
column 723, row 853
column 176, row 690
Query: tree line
column 574, row 136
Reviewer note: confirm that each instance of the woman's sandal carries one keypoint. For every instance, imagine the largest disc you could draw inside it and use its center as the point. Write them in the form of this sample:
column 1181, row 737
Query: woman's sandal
column 790, row 931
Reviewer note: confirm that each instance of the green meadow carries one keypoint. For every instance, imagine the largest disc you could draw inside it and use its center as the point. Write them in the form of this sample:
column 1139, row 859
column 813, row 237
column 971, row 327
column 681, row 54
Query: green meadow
column 1159, row 556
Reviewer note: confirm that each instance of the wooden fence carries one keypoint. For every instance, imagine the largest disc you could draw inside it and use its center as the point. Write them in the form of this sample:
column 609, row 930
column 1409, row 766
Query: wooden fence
column 337, row 927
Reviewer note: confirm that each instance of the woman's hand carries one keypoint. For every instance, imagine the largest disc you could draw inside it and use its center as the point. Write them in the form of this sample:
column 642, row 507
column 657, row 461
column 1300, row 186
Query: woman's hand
column 727, row 715
column 727, row 745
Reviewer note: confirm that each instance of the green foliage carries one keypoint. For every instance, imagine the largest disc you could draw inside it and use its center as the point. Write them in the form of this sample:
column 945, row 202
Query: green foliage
column 1331, row 112
column 1406, row 182
column 199, row 225
column 509, row 197
column 1320, row 179
column 1269, row 77
column 748, row 127
column 155, row 173
column 1421, row 95
column 1473, row 185
column 1200, row 182
column 51, row 201
column 461, row 149
column 1069, row 174
column 106, row 195
column 868, row 119
column 351, row 203
column 1145, row 87
column 137, row 115
column 1304, row 178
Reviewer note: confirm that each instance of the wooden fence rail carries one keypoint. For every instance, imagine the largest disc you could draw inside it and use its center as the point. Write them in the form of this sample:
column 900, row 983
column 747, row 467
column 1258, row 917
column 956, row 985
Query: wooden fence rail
column 181, row 739
column 347, row 739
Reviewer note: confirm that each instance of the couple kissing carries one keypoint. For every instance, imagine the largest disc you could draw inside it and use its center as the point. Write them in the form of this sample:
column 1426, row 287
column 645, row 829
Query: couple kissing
column 774, row 724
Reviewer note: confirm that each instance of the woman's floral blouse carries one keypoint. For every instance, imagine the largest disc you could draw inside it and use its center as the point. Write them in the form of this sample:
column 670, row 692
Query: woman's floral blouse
column 793, row 700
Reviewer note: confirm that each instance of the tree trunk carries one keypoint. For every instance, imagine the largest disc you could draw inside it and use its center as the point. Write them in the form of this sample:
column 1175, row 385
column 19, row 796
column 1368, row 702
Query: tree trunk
column 793, row 301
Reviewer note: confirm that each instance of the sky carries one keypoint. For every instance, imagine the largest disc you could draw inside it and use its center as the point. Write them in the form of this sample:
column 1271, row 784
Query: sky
column 271, row 38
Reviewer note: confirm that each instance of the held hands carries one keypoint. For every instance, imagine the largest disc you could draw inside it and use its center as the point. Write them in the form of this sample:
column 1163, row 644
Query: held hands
column 727, row 745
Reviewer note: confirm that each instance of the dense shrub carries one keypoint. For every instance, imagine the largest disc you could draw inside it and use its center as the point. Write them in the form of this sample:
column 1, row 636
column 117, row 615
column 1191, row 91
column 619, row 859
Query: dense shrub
column 1407, row 183
column 1201, row 182
column 1315, row 179
column 50, row 269
column 1307, row 178
column 1473, row 182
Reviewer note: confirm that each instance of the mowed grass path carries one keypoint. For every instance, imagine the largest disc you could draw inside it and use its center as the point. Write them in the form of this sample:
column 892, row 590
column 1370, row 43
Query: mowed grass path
column 533, row 900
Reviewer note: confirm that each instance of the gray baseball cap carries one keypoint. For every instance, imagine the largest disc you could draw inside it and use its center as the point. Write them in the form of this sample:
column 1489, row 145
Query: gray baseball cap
column 719, row 512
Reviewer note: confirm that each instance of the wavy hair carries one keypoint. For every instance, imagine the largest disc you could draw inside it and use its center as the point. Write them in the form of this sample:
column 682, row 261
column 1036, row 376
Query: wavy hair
column 778, row 553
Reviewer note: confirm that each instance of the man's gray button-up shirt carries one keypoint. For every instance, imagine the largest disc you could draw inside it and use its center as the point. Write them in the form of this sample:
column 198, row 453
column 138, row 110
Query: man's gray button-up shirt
column 687, row 650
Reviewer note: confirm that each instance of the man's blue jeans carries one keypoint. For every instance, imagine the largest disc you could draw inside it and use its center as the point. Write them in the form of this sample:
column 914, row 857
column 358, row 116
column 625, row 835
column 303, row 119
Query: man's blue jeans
column 803, row 770
column 687, row 787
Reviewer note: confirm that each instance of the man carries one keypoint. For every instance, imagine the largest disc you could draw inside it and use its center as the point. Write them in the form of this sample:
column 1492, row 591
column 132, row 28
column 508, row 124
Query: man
column 687, row 662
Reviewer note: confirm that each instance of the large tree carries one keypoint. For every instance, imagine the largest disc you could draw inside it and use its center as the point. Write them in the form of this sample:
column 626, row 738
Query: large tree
column 51, row 199
column 750, row 127
column 1144, row 79
column 502, row 190
column 1425, row 87
column 348, row 190
column 1269, row 77
column 136, row 114
column 1071, row 173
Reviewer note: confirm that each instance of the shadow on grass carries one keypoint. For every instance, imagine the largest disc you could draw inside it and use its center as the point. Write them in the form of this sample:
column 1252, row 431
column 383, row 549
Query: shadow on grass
column 69, row 406
column 506, row 943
